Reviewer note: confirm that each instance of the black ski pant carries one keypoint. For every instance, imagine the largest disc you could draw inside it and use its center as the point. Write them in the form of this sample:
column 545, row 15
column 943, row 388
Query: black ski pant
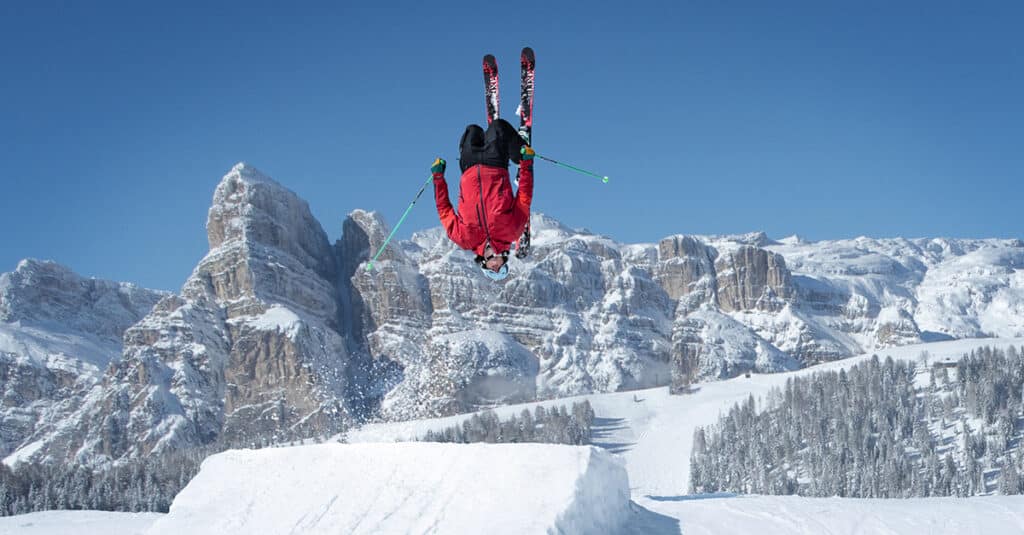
column 494, row 147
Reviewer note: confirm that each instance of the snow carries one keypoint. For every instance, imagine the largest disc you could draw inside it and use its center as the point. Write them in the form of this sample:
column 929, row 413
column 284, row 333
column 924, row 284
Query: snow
column 404, row 488
column 23, row 454
column 987, row 282
column 278, row 318
column 696, row 515
column 733, row 344
column 378, row 486
column 78, row 523
column 792, row 515
column 57, row 346
column 653, row 430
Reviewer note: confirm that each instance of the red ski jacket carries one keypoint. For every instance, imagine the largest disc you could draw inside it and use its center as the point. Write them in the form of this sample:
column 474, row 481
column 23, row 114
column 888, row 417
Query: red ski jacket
column 487, row 208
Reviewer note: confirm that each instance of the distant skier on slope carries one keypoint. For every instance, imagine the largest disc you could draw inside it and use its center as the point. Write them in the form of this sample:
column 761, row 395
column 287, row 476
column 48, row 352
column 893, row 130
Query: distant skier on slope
column 489, row 218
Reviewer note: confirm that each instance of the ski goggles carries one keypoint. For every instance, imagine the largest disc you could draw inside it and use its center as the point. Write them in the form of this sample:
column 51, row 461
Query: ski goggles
column 491, row 274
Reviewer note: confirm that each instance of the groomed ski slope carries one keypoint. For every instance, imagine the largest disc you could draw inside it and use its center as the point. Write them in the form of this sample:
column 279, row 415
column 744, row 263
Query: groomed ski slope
column 403, row 488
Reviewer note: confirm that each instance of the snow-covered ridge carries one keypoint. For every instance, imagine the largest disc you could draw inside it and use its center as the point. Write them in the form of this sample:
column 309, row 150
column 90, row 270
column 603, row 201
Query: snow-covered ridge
column 792, row 300
column 49, row 296
column 59, row 332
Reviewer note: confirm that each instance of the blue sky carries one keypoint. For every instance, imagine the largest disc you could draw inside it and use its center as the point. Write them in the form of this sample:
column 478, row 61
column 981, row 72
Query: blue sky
column 825, row 119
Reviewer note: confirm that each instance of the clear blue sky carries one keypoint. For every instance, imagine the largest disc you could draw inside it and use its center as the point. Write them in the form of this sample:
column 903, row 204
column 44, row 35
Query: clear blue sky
column 826, row 119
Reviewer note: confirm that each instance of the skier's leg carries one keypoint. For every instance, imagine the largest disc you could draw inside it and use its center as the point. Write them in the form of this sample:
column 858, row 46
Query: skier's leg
column 471, row 147
column 504, row 140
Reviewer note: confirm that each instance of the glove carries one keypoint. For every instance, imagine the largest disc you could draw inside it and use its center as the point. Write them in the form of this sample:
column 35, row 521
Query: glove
column 438, row 166
column 527, row 153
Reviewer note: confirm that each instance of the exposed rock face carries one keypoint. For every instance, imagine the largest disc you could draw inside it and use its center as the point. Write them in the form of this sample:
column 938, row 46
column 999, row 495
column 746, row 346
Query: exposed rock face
column 389, row 313
column 752, row 279
column 741, row 277
column 687, row 271
column 279, row 334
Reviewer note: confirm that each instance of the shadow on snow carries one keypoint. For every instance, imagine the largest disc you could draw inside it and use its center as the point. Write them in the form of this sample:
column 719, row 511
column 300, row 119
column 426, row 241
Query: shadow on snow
column 692, row 497
column 647, row 522
column 604, row 428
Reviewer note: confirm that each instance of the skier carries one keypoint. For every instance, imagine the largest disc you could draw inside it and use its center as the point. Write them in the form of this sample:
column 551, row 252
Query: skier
column 488, row 218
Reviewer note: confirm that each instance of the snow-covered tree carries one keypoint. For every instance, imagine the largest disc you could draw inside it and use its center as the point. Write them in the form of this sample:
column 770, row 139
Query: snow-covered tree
column 872, row 432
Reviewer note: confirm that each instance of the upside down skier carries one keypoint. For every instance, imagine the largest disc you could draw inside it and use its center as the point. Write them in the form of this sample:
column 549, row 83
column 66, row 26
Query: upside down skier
column 489, row 217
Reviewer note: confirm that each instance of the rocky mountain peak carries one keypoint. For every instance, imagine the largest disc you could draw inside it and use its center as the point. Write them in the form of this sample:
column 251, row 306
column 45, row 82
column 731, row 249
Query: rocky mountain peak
column 250, row 350
column 265, row 247
column 252, row 208
column 542, row 222
column 362, row 234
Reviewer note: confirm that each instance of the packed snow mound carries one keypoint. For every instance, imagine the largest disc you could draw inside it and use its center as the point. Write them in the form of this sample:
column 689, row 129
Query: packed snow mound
column 404, row 488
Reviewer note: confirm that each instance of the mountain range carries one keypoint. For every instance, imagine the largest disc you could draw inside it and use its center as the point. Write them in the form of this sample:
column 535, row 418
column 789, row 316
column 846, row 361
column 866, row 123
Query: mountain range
column 279, row 333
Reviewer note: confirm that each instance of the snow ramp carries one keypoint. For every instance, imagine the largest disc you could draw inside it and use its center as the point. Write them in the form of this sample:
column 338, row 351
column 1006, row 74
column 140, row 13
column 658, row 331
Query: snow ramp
column 414, row 487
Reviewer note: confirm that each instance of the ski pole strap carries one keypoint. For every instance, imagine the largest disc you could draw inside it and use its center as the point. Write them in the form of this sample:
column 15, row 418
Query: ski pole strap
column 577, row 169
column 369, row 266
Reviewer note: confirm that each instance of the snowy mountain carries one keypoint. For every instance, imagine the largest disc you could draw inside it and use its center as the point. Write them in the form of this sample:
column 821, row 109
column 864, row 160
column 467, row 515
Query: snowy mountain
column 941, row 288
column 58, row 333
column 279, row 334
column 603, row 316
column 249, row 350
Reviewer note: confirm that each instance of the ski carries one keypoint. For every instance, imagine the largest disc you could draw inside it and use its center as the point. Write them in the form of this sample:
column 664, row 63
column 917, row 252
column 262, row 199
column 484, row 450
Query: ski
column 525, row 113
column 491, row 87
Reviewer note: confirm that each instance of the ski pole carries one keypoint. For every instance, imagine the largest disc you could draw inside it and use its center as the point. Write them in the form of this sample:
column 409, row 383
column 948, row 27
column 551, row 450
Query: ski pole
column 577, row 169
column 369, row 267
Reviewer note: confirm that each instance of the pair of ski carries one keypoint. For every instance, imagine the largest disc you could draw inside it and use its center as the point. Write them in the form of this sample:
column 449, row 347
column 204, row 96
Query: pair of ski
column 525, row 113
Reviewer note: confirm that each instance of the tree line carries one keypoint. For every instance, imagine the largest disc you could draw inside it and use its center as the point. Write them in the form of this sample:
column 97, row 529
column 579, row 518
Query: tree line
column 875, row 431
column 553, row 426
column 148, row 484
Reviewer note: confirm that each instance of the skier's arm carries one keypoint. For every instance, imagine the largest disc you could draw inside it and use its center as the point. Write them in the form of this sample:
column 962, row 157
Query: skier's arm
column 450, row 219
column 524, row 197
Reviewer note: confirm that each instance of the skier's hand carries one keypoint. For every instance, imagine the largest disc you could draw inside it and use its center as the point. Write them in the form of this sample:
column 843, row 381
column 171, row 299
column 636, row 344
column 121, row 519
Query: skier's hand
column 438, row 166
column 527, row 152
